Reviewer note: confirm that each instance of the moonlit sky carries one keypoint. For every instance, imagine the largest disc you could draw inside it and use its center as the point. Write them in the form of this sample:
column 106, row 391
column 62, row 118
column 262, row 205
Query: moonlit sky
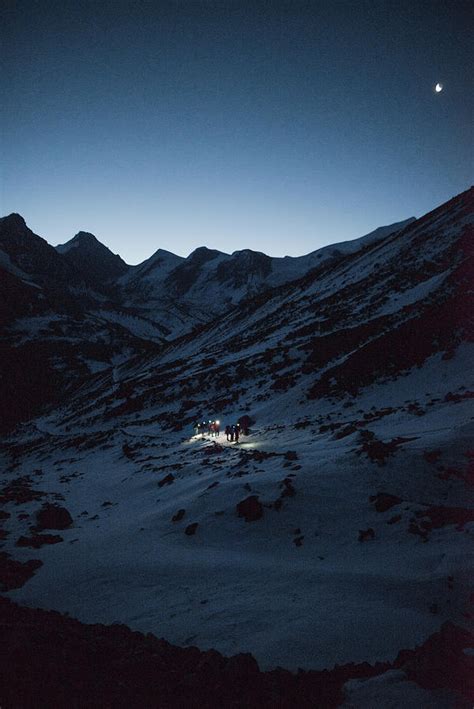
column 280, row 127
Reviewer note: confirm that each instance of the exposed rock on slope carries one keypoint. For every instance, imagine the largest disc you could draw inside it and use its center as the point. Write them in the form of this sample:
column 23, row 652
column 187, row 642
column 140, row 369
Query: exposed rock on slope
column 56, row 661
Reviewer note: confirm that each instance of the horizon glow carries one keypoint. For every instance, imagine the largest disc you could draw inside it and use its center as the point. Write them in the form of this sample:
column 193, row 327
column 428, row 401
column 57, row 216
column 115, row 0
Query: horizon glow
column 276, row 128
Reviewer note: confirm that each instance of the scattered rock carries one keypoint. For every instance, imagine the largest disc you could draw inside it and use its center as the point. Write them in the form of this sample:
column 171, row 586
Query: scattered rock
column 213, row 449
column 127, row 451
column 384, row 501
column 245, row 422
column 257, row 455
column 13, row 573
column 378, row 451
column 191, row 529
column 289, row 490
column 167, row 480
column 243, row 666
column 366, row 534
column 20, row 491
column 38, row 540
column 436, row 517
column 53, row 517
column 346, row 431
column 250, row 508
column 178, row 516
column 432, row 456
column 291, row 455
column 302, row 424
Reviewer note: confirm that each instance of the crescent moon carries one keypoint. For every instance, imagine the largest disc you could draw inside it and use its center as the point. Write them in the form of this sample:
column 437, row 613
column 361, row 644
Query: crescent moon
column 438, row 88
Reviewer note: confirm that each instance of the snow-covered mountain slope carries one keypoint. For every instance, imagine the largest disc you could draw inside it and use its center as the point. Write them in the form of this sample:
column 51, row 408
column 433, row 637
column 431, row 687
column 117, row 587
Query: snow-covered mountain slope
column 55, row 328
column 96, row 262
column 339, row 530
column 155, row 269
column 185, row 292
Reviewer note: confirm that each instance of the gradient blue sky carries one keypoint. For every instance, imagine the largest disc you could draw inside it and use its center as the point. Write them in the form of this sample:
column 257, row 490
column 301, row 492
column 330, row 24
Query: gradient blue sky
column 280, row 127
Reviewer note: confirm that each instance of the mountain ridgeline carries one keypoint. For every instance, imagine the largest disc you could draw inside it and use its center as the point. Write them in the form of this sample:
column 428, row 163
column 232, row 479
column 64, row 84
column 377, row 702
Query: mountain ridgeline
column 71, row 312
column 77, row 309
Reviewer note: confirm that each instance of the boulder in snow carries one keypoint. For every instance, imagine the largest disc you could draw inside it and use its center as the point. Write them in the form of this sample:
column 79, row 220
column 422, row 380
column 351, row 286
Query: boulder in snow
column 167, row 480
column 250, row 508
column 53, row 517
column 366, row 534
column 178, row 516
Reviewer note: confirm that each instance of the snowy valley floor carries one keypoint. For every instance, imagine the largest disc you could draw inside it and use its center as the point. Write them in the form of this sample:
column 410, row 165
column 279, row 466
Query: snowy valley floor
column 306, row 584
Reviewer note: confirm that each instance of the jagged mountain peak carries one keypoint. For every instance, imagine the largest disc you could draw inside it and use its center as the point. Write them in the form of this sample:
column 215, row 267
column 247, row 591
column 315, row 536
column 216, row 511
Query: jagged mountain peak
column 85, row 237
column 164, row 253
column 203, row 253
column 249, row 253
column 14, row 222
column 178, row 286
column 95, row 260
column 83, row 240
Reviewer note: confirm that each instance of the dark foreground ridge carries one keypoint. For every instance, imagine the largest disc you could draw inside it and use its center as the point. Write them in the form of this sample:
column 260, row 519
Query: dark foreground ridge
column 50, row 660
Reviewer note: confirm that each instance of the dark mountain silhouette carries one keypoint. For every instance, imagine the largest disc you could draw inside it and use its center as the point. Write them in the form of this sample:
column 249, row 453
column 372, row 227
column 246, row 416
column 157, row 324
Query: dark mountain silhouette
column 98, row 265
column 60, row 658
column 29, row 256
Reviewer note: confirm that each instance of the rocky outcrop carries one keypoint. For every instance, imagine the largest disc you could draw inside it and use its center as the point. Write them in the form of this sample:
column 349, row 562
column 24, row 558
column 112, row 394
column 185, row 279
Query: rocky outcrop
column 178, row 516
column 67, row 663
column 366, row 534
column 53, row 517
column 383, row 501
column 167, row 480
column 35, row 541
column 251, row 508
column 13, row 573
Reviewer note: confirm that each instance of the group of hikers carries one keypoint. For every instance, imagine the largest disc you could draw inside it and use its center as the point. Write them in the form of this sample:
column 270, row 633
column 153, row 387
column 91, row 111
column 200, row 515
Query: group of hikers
column 233, row 432
column 213, row 429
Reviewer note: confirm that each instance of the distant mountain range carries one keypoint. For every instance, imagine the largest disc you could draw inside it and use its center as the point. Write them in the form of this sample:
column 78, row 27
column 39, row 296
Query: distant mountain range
column 172, row 292
column 79, row 308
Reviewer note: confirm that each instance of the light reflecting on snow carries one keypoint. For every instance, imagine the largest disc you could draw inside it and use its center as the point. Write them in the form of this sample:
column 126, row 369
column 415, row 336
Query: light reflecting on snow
column 221, row 440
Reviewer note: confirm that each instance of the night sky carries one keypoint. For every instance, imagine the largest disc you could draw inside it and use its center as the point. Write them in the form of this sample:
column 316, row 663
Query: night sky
column 279, row 127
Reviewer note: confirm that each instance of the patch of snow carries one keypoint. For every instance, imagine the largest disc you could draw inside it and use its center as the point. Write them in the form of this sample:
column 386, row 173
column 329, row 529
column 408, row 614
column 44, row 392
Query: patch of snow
column 393, row 690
